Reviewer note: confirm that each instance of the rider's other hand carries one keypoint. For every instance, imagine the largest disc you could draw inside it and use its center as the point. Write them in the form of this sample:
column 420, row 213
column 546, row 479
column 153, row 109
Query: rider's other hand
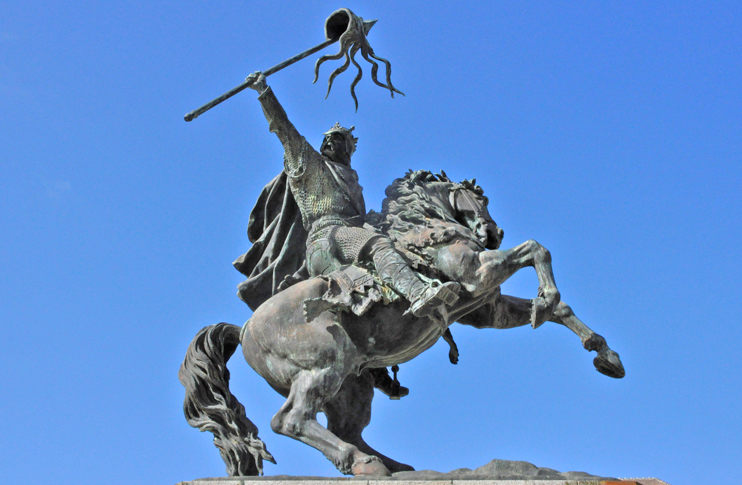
column 258, row 83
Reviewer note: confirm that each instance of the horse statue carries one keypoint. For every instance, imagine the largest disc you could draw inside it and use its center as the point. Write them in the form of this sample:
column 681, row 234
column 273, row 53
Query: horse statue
column 318, row 341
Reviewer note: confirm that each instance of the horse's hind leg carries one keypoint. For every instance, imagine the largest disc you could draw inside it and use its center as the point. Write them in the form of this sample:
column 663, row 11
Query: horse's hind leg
column 297, row 419
column 349, row 412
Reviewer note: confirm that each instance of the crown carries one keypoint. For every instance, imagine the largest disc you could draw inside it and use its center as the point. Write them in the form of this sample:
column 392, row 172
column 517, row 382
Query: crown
column 350, row 140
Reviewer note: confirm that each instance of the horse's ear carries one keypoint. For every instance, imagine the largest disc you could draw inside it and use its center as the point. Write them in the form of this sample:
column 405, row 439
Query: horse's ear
column 444, row 177
column 474, row 181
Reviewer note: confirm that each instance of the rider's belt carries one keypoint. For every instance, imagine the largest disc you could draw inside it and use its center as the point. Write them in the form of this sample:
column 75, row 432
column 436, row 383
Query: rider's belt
column 316, row 230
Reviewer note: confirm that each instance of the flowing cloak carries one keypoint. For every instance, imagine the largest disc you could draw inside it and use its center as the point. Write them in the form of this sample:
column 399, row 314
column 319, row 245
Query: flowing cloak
column 279, row 243
column 279, row 237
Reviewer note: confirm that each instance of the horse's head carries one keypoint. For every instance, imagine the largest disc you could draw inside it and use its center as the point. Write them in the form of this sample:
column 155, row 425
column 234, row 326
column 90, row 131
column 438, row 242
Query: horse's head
column 470, row 207
column 422, row 195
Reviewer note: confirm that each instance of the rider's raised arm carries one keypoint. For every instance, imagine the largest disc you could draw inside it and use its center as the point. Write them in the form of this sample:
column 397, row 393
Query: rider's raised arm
column 295, row 146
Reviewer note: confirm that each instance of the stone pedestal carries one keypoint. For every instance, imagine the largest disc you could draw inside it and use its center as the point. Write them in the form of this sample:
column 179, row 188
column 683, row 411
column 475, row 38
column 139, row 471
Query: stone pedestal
column 496, row 472
column 284, row 480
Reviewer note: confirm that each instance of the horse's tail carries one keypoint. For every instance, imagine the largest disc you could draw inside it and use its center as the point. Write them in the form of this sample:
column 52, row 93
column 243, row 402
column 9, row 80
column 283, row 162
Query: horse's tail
column 210, row 406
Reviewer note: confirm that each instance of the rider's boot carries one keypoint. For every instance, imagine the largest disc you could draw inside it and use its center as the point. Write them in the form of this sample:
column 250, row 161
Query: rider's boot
column 424, row 298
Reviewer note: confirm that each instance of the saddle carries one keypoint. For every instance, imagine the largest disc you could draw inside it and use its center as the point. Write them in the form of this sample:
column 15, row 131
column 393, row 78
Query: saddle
column 351, row 289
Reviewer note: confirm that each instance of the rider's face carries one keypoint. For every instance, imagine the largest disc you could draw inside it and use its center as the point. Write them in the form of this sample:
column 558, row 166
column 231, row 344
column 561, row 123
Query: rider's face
column 333, row 147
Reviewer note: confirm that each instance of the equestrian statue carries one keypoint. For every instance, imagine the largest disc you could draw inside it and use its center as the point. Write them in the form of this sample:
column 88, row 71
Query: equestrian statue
column 340, row 294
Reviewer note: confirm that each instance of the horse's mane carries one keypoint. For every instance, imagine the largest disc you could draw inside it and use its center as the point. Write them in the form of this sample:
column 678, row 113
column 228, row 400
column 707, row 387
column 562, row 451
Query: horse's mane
column 407, row 198
column 414, row 213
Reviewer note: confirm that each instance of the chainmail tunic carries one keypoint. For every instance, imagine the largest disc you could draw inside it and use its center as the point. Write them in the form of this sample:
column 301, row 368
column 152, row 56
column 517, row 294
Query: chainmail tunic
column 350, row 241
column 327, row 193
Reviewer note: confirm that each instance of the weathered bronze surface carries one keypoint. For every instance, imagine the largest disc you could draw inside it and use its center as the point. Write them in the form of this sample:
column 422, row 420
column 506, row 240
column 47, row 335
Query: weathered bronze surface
column 339, row 294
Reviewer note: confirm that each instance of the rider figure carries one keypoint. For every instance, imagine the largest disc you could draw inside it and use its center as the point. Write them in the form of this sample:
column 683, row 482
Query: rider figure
column 332, row 209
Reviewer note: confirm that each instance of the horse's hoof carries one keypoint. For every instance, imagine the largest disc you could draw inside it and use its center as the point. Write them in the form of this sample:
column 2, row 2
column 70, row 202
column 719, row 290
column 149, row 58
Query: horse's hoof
column 609, row 363
column 543, row 306
column 371, row 466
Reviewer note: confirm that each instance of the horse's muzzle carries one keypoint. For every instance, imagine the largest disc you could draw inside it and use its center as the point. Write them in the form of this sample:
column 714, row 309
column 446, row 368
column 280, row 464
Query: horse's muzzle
column 494, row 236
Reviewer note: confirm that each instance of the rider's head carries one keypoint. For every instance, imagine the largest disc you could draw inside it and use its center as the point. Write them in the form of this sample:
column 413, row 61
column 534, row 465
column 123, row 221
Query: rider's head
column 339, row 144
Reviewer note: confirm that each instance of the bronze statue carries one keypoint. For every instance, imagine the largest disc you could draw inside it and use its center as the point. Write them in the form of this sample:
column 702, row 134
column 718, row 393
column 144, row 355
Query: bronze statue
column 340, row 294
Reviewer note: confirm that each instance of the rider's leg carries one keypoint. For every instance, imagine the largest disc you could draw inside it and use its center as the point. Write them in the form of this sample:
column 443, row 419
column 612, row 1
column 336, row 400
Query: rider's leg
column 396, row 272
column 349, row 412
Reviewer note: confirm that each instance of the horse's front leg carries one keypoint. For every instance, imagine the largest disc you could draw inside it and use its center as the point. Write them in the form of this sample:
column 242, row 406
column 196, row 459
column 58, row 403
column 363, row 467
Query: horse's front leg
column 511, row 312
column 607, row 361
column 487, row 269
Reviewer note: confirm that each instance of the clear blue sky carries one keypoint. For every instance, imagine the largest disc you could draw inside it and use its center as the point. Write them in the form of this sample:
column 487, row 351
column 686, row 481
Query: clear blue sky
column 608, row 131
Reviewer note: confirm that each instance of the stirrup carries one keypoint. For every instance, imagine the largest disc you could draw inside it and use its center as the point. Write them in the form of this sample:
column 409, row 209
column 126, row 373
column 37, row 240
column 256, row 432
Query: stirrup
column 387, row 385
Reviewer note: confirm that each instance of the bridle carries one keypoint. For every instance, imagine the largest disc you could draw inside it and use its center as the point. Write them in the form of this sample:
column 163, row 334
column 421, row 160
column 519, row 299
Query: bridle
column 468, row 204
column 462, row 200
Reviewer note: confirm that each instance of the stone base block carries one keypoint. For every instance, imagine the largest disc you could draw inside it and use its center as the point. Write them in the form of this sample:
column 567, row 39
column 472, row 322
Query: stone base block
column 280, row 480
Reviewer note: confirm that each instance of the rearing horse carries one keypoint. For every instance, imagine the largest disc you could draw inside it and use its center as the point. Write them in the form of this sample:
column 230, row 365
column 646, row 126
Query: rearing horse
column 321, row 363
